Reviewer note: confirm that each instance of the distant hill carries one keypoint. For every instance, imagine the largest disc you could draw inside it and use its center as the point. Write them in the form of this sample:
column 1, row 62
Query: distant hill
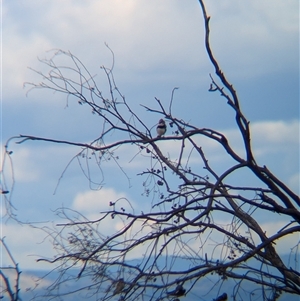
column 200, row 290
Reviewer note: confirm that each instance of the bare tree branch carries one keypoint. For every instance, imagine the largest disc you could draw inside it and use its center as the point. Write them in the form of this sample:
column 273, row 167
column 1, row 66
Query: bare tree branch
column 199, row 229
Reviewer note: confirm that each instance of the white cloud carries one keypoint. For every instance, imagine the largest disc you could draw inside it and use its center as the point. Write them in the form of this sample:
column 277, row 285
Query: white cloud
column 91, row 203
column 95, row 201
column 276, row 132
column 213, row 242
column 20, row 166
column 19, row 52
column 131, row 28
column 26, row 244
column 248, row 37
column 283, row 245
column 25, row 168
column 268, row 137
column 146, row 36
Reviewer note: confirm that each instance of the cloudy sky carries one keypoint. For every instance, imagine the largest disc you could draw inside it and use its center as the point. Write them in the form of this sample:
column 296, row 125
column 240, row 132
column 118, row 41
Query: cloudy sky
column 158, row 45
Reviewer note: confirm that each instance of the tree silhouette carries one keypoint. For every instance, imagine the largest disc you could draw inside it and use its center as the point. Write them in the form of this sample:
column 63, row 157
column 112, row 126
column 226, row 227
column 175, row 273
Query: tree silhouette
column 199, row 226
column 9, row 275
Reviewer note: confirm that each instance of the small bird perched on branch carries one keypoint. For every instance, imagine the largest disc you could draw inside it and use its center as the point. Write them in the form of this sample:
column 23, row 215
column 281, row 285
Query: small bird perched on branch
column 119, row 286
column 161, row 128
column 178, row 292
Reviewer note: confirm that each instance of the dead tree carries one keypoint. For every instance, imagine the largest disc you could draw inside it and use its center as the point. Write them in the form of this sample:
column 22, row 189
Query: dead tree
column 182, row 238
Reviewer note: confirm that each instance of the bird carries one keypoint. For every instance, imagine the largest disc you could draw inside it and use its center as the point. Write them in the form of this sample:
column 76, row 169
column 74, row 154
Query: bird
column 161, row 128
column 119, row 286
column 222, row 297
column 178, row 292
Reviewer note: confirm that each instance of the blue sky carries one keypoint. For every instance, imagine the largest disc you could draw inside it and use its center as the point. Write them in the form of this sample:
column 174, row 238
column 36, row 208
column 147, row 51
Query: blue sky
column 158, row 45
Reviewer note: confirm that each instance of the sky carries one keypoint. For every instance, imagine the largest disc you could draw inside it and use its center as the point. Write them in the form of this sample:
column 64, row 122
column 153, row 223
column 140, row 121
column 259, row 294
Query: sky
column 158, row 45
